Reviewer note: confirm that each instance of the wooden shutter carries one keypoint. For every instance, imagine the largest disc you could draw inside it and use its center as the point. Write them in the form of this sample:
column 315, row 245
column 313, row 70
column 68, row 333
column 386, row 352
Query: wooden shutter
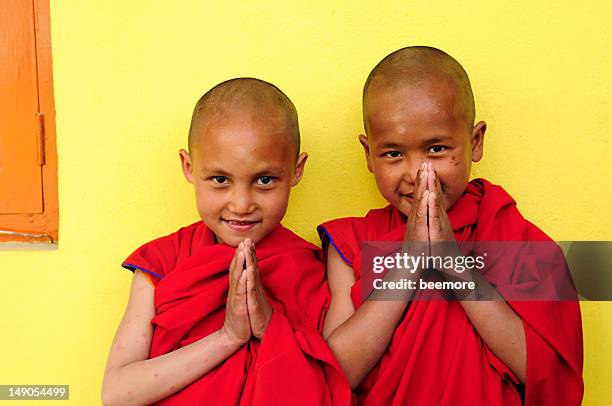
column 28, row 161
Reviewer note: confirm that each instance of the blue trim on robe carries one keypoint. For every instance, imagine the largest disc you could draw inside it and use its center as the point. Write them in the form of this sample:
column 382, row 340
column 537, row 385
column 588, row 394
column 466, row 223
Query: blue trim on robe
column 132, row 268
column 336, row 247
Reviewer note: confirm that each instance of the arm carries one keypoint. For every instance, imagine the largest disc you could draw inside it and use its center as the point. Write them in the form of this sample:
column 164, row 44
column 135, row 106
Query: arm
column 357, row 338
column 502, row 330
column 132, row 379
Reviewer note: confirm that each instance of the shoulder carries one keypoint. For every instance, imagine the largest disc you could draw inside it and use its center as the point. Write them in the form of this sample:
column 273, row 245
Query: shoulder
column 158, row 256
column 289, row 240
column 501, row 217
column 346, row 234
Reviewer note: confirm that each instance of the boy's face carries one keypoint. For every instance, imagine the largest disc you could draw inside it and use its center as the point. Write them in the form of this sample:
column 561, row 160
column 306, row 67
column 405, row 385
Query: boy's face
column 412, row 124
column 242, row 169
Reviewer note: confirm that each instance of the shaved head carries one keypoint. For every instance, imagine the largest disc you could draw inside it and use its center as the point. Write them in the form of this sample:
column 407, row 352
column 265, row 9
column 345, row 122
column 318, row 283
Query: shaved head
column 420, row 66
column 252, row 97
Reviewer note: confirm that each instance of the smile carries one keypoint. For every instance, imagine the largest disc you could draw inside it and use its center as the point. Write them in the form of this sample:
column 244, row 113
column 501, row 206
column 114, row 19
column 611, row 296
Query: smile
column 408, row 196
column 241, row 225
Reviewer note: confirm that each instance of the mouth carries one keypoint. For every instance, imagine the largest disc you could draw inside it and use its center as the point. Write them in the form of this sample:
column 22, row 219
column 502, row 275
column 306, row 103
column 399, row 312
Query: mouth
column 240, row 225
column 408, row 196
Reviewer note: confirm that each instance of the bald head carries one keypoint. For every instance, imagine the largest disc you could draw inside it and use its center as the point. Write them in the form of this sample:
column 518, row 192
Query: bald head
column 420, row 66
column 245, row 96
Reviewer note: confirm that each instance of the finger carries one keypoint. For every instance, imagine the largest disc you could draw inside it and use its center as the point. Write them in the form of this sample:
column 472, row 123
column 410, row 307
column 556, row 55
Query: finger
column 250, row 279
column 421, row 232
column 438, row 186
column 247, row 253
column 445, row 228
column 234, row 291
column 233, row 275
column 421, row 212
column 251, row 292
column 241, row 291
column 420, row 188
column 431, row 178
column 242, row 284
column 434, row 217
column 254, row 260
column 233, row 262
column 421, row 181
column 439, row 199
column 238, row 266
column 411, row 221
column 435, row 184
column 249, row 269
column 440, row 194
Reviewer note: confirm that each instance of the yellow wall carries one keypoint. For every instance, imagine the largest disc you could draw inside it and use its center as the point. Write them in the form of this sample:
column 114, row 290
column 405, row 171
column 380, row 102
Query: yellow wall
column 127, row 74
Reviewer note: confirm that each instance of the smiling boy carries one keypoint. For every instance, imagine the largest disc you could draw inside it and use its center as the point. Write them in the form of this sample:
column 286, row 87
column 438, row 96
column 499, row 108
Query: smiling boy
column 235, row 303
column 420, row 141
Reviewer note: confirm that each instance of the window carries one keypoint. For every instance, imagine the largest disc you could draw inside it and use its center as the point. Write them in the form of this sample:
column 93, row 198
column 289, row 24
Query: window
column 28, row 157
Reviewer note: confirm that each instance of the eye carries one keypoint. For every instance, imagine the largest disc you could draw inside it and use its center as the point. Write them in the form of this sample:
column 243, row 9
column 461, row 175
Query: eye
column 219, row 179
column 265, row 180
column 437, row 149
column 392, row 154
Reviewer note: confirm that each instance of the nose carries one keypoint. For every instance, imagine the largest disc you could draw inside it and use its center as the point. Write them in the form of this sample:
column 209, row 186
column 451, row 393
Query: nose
column 241, row 201
column 411, row 168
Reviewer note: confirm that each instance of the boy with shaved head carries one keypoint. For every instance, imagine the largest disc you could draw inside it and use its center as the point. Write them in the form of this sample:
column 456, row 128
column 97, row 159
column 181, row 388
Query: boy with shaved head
column 228, row 310
column 420, row 141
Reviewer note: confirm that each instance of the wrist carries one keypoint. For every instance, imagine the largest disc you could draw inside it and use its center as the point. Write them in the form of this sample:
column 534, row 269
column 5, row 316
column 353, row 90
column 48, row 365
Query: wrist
column 230, row 339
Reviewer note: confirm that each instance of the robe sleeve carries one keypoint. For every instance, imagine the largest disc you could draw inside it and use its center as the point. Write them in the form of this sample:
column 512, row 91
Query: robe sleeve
column 343, row 235
column 154, row 258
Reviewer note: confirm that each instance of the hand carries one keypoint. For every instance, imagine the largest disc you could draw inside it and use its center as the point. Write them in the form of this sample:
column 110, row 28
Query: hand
column 441, row 236
column 236, row 325
column 259, row 309
column 416, row 224
column 440, row 228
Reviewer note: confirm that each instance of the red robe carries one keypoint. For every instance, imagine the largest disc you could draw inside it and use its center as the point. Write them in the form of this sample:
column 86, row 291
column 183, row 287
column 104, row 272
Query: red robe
column 291, row 365
column 435, row 356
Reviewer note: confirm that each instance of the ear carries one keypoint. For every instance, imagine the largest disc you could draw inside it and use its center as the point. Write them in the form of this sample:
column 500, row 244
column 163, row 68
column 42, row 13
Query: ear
column 363, row 139
column 298, row 171
column 478, row 133
column 186, row 165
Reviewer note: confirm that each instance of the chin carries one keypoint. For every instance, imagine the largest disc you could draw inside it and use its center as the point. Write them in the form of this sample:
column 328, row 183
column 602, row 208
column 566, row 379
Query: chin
column 235, row 240
column 405, row 210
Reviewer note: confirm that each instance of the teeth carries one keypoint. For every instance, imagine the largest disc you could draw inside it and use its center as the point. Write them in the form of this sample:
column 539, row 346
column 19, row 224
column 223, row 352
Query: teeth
column 240, row 223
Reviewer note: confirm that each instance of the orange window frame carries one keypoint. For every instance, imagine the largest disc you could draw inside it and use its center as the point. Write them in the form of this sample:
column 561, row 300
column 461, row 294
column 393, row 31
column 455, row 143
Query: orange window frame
column 40, row 227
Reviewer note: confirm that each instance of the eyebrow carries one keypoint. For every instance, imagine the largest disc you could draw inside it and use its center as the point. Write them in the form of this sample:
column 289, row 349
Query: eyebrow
column 215, row 170
column 428, row 141
column 264, row 172
column 268, row 171
column 391, row 145
column 434, row 140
